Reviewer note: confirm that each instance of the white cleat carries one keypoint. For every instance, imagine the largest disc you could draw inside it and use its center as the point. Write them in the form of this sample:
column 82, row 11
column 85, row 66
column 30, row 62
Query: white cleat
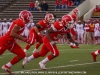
column 42, row 65
column 7, row 69
column 25, row 61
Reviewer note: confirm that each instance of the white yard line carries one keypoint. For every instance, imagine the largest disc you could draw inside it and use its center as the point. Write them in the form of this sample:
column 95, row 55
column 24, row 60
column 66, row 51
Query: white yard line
column 53, row 67
column 73, row 60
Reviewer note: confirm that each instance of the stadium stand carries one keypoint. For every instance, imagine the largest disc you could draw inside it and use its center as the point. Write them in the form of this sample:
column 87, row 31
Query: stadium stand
column 13, row 10
column 5, row 3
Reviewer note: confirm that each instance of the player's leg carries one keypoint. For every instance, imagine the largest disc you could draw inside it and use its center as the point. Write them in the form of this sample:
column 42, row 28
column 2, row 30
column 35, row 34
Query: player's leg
column 94, row 54
column 16, row 49
column 40, row 41
column 54, row 53
column 35, row 55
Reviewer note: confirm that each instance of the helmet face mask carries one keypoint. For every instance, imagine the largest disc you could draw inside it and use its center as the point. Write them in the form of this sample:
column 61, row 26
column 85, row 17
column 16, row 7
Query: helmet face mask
column 49, row 18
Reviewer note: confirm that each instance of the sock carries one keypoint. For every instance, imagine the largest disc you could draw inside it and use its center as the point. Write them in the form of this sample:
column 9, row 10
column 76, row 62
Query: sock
column 25, row 50
column 27, row 46
column 9, row 64
column 97, row 52
column 45, row 60
column 14, row 60
column 30, row 58
column 37, row 45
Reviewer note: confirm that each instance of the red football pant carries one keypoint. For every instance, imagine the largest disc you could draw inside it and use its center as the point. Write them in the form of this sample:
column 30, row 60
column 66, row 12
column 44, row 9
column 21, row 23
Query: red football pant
column 14, row 48
column 47, row 47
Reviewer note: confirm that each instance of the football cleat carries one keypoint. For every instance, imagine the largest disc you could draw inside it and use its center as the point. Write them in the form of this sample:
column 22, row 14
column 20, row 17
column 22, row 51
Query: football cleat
column 42, row 65
column 25, row 61
column 7, row 69
column 74, row 46
column 94, row 56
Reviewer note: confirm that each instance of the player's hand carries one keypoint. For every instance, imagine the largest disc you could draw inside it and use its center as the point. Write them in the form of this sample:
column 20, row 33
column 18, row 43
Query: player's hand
column 53, row 42
column 27, row 41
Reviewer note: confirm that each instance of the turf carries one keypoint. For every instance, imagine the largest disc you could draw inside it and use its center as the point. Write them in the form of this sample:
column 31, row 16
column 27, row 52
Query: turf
column 69, row 62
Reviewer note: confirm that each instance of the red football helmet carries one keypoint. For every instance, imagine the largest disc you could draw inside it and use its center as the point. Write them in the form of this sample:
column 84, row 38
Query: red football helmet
column 26, row 16
column 67, row 20
column 75, row 14
column 49, row 18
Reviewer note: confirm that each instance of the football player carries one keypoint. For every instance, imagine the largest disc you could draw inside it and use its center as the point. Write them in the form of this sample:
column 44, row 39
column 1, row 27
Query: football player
column 35, row 32
column 49, row 41
column 5, row 26
column 8, row 41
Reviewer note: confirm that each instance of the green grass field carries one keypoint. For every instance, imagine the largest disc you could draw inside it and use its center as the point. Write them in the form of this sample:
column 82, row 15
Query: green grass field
column 69, row 62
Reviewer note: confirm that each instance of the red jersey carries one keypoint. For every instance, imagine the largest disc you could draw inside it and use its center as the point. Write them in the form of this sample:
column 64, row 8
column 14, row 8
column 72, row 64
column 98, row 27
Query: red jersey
column 59, row 30
column 18, row 22
column 57, row 2
column 87, row 28
column 43, row 24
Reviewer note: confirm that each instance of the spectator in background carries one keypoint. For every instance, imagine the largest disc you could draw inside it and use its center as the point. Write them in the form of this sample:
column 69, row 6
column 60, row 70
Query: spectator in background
column 5, row 26
column 41, row 5
column 80, row 32
column 70, row 3
column 57, row 5
column 92, row 27
column 0, row 27
column 31, row 6
column 64, row 4
column 76, row 2
column 45, row 6
column 87, row 32
column 36, row 7
column 97, row 8
column 9, row 22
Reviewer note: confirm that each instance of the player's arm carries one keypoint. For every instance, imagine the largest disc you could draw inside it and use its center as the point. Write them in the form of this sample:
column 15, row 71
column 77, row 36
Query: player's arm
column 36, row 28
column 14, row 33
column 50, row 30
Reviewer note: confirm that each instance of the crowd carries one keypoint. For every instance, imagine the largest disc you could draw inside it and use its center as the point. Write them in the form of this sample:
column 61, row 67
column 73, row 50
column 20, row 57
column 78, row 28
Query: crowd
column 59, row 4
column 38, row 6
column 64, row 4
column 96, row 10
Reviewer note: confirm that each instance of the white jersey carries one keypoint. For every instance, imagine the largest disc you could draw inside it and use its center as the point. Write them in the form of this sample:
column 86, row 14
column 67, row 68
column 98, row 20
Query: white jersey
column 97, row 32
column 9, row 23
column 30, row 25
column 0, row 26
column 96, row 27
column 79, row 28
column 5, row 25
